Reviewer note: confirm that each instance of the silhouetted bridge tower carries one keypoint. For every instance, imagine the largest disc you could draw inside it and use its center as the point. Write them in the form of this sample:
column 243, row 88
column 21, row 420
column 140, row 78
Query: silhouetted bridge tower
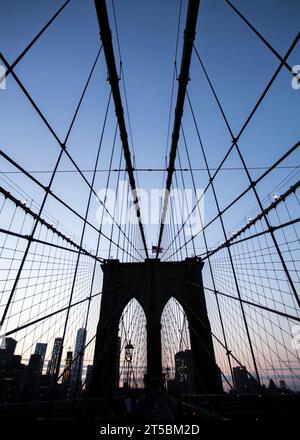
column 152, row 284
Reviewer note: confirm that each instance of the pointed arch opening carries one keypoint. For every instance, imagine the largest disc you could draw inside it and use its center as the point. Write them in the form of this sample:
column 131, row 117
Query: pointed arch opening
column 132, row 350
column 176, row 348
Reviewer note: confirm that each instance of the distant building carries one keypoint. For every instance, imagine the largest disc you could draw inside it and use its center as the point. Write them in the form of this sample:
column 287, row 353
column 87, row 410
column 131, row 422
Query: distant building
column 9, row 346
column 272, row 386
column 31, row 378
column 41, row 349
column 240, row 378
column 88, row 379
column 282, row 385
column 67, row 369
column 45, row 384
column 76, row 371
column 282, row 388
column 184, row 372
column 244, row 383
column 53, row 365
column 11, row 372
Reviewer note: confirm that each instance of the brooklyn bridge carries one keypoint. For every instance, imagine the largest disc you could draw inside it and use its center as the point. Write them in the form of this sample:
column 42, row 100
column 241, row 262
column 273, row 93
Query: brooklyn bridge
column 149, row 207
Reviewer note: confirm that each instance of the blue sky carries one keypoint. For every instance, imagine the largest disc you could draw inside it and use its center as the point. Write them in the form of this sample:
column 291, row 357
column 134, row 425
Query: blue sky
column 239, row 64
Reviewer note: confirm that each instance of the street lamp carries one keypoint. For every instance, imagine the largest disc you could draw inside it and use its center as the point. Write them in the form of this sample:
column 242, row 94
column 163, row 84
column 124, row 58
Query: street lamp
column 128, row 358
column 167, row 376
column 129, row 352
column 167, row 372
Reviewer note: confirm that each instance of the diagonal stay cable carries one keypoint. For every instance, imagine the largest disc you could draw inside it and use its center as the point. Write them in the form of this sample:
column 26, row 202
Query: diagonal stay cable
column 33, row 41
column 230, row 241
column 82, row 237
column 260, row 306
column 122, row 78
column 259, row 179
column 172, row 91
column 220, row 216
column 229, row 252
column 252, row 183
column 56, row 197
column 113, row 78
column 261, row 37
column 189, row 36
column 49, row 226
column 206, row 247
column 62, row 144
column 253, row 221
column 256, row 106
column 48, row 189
column 56, row 312
column 235, row 139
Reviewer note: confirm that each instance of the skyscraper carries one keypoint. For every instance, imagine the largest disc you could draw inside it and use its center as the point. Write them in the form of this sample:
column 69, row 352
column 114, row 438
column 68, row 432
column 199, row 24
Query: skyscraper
column 31, row 378
column 53, row 365
column 184, row 372
column 241, row 379
column 244, row 383
column 41, row 349
column 67, row 369
column 9, row 345
column 76, row 371
column 11, row 371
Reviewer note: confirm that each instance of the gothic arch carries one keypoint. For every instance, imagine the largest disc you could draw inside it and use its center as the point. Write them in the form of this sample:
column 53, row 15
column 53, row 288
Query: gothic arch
column 175, row 335
column 132, row 329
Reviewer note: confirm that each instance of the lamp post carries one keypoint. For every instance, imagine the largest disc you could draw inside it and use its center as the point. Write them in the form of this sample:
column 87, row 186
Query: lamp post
column 128, row 358
column 167, row 376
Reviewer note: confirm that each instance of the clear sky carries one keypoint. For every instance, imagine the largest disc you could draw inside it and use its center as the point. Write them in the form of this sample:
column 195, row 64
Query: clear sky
column 56, row 68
